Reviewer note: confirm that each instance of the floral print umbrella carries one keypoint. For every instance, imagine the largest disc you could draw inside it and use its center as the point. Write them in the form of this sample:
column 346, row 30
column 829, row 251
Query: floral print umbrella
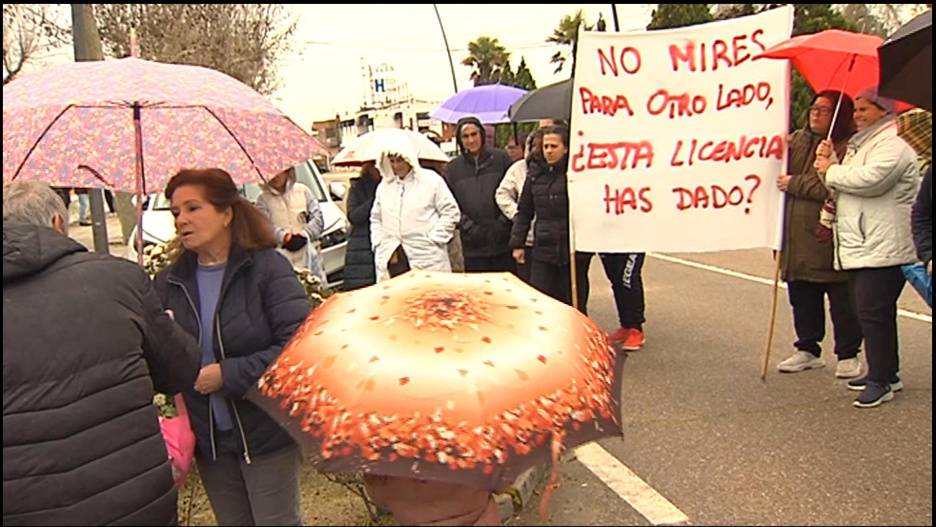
column 106, row 123
column 463, row 378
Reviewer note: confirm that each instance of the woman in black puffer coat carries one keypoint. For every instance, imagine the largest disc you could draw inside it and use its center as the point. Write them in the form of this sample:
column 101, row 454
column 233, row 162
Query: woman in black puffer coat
column 546, row 196
column 359, row 268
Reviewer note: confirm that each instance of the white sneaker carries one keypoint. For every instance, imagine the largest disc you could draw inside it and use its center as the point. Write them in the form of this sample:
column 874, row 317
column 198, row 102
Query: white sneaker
column 799, row 361
column 848, row 368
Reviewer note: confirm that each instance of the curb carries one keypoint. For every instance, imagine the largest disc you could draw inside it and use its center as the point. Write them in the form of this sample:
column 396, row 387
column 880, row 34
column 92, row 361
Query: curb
column 520, row 493
column 505, row 507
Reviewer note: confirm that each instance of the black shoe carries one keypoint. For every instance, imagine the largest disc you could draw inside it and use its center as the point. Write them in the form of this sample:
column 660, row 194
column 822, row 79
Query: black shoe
column 84, row 223
column 859, row 384
column 873, row 395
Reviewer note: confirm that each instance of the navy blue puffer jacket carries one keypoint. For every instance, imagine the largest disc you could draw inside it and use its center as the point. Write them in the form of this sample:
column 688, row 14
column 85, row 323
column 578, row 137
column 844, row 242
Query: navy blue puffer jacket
column 262, row 304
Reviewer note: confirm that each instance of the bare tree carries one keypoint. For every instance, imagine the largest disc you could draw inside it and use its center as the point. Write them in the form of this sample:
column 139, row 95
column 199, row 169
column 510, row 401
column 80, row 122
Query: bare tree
column 29, row 31
column 245, row 41
column 880, row 19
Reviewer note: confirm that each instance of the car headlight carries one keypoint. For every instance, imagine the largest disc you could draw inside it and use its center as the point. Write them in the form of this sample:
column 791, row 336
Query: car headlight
column 336, row 237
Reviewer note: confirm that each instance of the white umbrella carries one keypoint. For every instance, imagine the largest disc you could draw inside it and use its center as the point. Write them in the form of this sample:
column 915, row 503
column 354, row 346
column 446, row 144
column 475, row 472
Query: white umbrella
column 367, row 147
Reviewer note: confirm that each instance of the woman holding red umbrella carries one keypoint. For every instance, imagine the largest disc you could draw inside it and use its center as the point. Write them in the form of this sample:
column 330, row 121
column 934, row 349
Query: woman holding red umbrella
column 875, row 186
column 806, row 260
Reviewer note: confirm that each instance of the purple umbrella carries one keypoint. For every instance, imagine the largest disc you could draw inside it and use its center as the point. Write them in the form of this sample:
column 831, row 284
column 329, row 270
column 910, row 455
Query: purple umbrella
column 489, row 103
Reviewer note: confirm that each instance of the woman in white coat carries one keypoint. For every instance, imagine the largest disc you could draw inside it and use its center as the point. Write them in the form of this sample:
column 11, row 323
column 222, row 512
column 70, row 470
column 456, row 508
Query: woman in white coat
column 875, row 186
column 413, row 217
column 297, row 221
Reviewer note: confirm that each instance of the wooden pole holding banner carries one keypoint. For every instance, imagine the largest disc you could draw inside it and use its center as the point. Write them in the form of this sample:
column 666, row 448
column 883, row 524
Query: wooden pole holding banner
column 773, row 316
column 572, row 272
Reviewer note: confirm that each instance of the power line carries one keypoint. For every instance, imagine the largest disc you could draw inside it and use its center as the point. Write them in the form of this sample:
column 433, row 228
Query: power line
column 351, row 46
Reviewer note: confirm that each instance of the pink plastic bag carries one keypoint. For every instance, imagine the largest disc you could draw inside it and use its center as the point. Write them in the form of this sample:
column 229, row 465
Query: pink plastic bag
column 180, row 442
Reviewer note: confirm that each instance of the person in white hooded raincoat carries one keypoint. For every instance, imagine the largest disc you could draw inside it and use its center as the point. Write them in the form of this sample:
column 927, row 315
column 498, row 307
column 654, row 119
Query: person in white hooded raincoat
column 413, row 210
column 297, row 221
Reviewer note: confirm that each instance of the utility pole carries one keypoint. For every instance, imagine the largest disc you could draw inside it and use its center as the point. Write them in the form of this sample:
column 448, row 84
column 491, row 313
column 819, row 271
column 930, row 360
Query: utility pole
column 614, row 17
column 88, row 47
column 447, row 50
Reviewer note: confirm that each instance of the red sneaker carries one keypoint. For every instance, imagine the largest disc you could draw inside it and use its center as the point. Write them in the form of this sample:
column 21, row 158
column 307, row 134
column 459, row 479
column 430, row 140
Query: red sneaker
column 620, row 335
column 635, row 340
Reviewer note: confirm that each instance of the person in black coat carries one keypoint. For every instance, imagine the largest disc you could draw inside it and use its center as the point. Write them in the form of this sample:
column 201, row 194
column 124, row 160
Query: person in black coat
column 545, row 195
column 229, row 286
column 473, row 178
column 359, row 270
column 85, row 344
column 922, row 222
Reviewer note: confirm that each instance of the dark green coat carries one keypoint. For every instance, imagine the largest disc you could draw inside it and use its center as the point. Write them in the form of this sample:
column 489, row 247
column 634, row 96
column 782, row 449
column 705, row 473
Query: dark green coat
column 804, row 258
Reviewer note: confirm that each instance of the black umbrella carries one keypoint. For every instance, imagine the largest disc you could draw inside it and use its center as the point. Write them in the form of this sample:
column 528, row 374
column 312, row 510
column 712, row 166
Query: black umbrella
column 549, row 102
column 906, row 62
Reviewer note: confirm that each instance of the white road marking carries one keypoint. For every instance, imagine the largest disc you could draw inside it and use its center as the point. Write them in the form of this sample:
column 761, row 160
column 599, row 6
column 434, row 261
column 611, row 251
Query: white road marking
column 727, row 272
column 635, row 491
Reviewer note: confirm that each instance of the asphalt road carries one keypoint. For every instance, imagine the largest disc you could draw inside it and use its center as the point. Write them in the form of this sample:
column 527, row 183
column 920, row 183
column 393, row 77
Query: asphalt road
column 725, row 448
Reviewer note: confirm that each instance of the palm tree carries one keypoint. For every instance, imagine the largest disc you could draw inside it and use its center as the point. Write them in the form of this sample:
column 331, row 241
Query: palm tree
column 567, row 35
column 488, row 58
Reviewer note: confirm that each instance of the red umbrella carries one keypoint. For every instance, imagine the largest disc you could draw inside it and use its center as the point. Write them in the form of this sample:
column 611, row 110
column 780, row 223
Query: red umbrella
column 832, row 59
column 462, row 378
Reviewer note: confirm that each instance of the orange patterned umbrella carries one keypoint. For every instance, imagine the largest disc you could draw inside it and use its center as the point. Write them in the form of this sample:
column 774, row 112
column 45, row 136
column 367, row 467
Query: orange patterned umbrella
column 464, row 378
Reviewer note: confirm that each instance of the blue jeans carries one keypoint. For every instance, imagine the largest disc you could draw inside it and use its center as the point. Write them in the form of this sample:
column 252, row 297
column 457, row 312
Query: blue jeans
column 84, row 201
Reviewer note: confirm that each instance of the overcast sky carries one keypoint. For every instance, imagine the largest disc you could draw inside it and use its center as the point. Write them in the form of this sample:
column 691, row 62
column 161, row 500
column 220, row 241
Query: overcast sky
column 325, row 77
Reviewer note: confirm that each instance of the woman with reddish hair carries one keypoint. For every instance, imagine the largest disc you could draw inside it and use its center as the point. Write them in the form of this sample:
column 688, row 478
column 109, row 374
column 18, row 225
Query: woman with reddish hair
column 229, row 287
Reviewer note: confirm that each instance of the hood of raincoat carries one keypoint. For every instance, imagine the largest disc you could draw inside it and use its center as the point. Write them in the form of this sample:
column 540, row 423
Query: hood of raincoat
column 290, row 183
column 458, row 132
column 397, row 146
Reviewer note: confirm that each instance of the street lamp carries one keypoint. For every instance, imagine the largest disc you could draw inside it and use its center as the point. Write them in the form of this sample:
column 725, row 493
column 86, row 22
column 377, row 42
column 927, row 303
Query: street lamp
column 447, row 50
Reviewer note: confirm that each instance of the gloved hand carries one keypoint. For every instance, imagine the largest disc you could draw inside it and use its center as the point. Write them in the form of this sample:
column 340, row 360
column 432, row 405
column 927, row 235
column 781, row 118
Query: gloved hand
column 295, row 242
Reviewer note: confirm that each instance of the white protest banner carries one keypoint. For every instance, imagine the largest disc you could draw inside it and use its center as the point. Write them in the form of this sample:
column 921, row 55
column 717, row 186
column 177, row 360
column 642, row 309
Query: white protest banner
column 678, row 137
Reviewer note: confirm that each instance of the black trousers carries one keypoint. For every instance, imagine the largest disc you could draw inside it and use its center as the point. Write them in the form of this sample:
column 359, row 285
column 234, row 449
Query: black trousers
column 64, row 193
column 875, row 293
column 398, row 264
column 808, row 302
column 625, row 272
column 109, row 199
column 556, row 280
column 489, row 264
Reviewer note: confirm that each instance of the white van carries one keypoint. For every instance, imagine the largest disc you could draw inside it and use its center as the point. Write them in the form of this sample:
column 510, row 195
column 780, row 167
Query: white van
column 159, row 226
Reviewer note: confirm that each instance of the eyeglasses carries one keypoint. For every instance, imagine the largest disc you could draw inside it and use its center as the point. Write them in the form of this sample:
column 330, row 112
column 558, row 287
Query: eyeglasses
column 821, row 110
